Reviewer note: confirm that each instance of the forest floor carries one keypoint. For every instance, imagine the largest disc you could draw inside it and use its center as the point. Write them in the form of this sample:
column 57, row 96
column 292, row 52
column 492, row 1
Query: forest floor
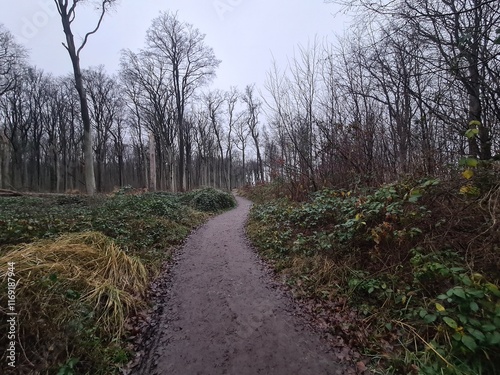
column 219, row 311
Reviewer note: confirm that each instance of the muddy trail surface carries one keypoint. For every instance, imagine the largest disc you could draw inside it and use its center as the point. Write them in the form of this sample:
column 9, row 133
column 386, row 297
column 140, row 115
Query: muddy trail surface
column 223, row 314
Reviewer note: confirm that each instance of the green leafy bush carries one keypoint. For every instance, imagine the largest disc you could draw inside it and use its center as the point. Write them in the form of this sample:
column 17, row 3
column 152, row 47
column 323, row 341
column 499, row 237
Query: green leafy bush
column 139, row 223
column 210, row 200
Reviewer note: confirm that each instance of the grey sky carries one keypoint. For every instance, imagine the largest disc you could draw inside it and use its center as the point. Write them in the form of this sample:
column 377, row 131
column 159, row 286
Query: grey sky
column 244, row 34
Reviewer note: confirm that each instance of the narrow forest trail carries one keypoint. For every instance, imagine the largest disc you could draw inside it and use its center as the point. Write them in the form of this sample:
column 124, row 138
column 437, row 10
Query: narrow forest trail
column 224, row 315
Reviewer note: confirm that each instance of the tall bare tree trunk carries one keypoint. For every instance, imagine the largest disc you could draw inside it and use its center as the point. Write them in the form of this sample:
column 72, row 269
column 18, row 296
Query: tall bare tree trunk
column 4, row 161
column 67, row 13
column 152, row 162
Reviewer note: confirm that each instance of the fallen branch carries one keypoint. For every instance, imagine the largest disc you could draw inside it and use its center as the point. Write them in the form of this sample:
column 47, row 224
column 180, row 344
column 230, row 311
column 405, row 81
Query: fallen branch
column 10, row 193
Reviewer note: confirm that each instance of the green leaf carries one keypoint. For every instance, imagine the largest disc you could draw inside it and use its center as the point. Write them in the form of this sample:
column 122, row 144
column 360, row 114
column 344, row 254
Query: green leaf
column 471, row 133
column 493, row 289
column 469, row 342
column 474, row 123
column 415, row 195
column 450, row 322
column 471, row 162
column 414, row 198
column 494, row 339
column 476, row 293
column 73, row 361
column 474, row 322
column 488, row 327
column 478, row 335
column 431, row 182
column 459, row 292
column 463, row 319
column 474, row 306
column 430, row 318
column 465, row 279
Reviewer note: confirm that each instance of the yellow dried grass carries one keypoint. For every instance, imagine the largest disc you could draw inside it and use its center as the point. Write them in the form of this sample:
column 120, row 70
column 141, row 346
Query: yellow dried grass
column 105, row 278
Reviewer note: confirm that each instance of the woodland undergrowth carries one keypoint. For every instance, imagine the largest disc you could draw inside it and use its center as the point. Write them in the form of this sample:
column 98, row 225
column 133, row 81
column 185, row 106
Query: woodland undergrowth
column 83, row 266
column 408, row 273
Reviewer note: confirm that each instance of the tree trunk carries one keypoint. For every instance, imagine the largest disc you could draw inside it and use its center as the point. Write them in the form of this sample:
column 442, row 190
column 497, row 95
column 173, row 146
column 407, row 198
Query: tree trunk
column 87, row 128
column 152, row 163
column 4, row 162
column 84, row 108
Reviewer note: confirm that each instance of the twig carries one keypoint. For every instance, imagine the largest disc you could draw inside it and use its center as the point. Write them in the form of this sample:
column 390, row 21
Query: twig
column 413, row 330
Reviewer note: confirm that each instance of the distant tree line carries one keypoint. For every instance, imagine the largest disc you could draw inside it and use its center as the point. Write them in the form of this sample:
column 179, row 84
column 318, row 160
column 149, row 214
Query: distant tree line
column 152, row 125
column 394, row 97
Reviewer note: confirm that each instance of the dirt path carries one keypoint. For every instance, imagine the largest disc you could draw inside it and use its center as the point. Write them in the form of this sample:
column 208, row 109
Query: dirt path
column 223, row 314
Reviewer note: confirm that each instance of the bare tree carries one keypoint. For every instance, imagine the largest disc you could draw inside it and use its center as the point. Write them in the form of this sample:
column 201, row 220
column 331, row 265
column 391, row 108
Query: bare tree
column 214, row 101
column 231, row 98
column 192, row 64
column 104, row 105
column 149, row 89
column 67, row 11
column 15, row 114
column 12, row 58
column 254, row 106
column 205, row 145
column 460, row 36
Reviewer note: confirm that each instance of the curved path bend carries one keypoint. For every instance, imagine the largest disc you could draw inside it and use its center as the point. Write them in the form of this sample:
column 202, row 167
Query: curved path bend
column 224, row 315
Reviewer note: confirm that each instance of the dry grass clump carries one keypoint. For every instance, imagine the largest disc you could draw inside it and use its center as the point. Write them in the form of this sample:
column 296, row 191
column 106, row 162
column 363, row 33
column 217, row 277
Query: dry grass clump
column 73, row 295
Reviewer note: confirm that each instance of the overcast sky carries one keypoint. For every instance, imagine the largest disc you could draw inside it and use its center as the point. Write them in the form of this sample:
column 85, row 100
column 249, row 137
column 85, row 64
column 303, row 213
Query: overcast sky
column 245, row 34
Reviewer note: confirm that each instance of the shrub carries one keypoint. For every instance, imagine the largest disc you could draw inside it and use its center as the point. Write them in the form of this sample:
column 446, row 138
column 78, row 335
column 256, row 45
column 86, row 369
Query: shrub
column 211, row 200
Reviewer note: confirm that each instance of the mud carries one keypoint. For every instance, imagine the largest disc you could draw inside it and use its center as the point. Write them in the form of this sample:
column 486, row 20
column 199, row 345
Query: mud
column 222, row 313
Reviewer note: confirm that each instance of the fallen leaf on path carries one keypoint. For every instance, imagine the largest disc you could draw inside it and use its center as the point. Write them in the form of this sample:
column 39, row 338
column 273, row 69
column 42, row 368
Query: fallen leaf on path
column 361, row 367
